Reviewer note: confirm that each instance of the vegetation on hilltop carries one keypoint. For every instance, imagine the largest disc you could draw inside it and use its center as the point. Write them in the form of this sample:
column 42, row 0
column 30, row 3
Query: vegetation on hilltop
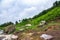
column 47, row 15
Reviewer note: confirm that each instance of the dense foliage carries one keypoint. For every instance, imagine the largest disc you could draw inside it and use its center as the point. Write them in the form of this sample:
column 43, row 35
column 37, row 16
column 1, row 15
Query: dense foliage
column 51, row 15
column 57, row 3
column 6, row 24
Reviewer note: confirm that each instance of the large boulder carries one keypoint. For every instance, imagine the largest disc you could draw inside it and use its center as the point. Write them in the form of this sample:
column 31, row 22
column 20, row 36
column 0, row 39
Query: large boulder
column 42, row 23
column 9, row 29
column 46, row 37
column 54, row 33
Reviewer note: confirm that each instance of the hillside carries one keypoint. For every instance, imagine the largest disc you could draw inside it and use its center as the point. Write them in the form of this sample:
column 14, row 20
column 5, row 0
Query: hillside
column 47, row 15
column 46, row 22
column 51, row 15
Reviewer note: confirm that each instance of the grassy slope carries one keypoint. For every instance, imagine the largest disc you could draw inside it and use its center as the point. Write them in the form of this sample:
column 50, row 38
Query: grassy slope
column 50, row 15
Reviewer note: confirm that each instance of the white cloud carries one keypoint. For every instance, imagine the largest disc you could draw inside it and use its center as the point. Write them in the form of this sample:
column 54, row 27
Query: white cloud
column 12, row 10
column 30, row 1
column 34, row 2
column 27, row 12
column 6, row 2
column 30, row 9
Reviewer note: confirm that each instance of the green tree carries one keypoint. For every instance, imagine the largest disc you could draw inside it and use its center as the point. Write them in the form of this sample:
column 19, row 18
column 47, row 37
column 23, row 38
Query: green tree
column 57, row 3
column 6, row 24
column 16, row 22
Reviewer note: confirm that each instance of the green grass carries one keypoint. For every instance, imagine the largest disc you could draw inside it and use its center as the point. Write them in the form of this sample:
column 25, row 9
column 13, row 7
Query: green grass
column 49, row 25
column 50, row 15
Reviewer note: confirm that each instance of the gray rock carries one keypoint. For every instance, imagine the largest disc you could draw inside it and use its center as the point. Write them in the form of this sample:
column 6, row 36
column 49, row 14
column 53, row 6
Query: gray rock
column 1, row 31
column 46, row 36
column 9, row 29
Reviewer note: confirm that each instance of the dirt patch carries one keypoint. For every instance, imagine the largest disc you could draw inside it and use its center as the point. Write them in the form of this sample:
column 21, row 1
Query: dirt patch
column 55, row 34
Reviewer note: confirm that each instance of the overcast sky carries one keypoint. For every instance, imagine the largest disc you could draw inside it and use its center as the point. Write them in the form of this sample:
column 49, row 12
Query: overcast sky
column 13, row 10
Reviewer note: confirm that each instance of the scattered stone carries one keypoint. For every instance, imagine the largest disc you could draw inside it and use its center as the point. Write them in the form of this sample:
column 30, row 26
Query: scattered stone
column 38, row 32
column 1, row 31
column 23, row 33
column 42, row 23
column 28, row 25
column 46, row 37
column 14, row 37
column 29, row 34
column 8, row 37
column 22, row 29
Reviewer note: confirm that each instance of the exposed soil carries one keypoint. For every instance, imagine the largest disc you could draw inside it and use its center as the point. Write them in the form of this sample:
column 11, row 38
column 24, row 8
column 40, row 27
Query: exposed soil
column 55, row 34
column 53, row 30
column 35, row 35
